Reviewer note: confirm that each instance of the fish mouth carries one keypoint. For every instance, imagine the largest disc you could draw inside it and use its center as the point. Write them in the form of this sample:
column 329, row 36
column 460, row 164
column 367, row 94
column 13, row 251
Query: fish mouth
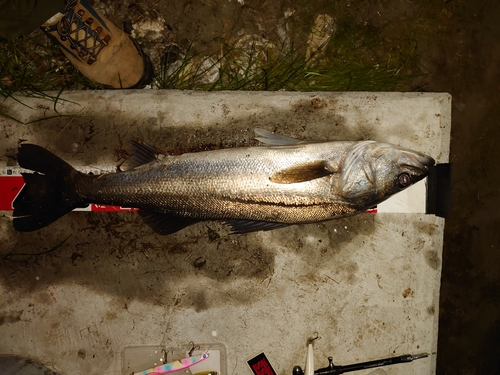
column 426, row 161
column 417, row 162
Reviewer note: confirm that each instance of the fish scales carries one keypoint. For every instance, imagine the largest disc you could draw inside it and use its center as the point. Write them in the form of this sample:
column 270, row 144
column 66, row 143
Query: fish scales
column 228, row 184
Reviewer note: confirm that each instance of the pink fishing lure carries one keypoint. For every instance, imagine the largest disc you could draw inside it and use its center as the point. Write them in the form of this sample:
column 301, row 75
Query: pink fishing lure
column 174, row 366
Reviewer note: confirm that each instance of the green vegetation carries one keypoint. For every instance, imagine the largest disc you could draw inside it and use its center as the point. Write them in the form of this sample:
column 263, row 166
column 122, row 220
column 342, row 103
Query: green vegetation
column 350, row 55
column 348, row 60
column 32, row 65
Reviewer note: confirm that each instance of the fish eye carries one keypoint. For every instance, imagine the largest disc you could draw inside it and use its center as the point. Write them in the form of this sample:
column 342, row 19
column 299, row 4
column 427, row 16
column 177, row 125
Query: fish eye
column 404, row 180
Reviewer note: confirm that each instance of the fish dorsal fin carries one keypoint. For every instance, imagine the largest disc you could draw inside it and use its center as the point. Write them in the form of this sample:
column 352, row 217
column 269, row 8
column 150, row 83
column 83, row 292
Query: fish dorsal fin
column 304, row 172
column 247, row 226
column 142, row 153
column 165, row 223
column 273, row 139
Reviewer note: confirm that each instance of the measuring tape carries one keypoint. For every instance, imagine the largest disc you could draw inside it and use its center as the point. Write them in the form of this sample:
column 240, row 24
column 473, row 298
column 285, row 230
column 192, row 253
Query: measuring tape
column 11, row 183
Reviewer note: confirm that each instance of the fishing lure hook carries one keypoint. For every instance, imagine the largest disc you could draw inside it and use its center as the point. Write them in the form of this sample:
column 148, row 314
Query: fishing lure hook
column 310, row 340
column 193, row 348
column 165, row 352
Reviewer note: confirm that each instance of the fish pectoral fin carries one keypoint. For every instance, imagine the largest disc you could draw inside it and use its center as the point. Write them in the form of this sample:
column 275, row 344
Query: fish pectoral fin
column 142, row 153
column 303, row 172
column 165, row 223
column 247, row 226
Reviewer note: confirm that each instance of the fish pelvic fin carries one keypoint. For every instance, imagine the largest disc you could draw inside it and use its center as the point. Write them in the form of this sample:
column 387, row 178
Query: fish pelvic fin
column 47, row 194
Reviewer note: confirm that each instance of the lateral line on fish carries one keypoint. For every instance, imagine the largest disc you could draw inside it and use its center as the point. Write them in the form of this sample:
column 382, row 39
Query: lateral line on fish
column 282, row 204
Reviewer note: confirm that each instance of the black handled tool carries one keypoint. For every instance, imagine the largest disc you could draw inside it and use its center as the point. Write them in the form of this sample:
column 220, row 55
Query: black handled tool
column 332, row 369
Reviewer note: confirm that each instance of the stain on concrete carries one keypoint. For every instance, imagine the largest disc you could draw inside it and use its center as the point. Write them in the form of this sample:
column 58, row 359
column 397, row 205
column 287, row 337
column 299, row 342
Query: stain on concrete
column 199, row 301
column 111, row 315
column 43, row 298
column 13, row 364
column 425, row 228
column 75, row 257
column 432, row 259
column 10, row 317
column 408, row 292
column 82, row 353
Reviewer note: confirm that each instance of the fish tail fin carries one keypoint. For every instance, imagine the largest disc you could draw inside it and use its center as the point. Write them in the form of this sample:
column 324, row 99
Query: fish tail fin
column 48, row 194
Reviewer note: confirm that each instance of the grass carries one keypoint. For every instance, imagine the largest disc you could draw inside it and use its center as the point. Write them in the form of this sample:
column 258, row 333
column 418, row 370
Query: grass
column 31, row 65
column 339, row 64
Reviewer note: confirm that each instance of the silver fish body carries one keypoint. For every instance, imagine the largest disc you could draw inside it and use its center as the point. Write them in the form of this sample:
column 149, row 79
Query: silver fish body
column 286, row 181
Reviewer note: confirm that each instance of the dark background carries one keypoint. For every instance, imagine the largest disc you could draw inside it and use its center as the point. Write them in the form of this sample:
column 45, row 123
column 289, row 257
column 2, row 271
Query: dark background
column 464, row 61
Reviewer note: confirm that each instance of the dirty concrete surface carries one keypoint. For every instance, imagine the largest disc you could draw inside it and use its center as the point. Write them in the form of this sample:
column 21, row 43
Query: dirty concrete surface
column 460, row 55
column 249, row 292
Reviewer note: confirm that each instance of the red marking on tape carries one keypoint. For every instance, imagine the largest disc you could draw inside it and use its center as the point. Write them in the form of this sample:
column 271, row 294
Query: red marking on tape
column 10, row 186
column 104, row 208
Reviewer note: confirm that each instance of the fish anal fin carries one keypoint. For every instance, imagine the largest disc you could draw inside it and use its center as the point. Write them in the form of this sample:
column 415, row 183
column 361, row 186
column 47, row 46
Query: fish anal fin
column 142, row 153
column 304, row 172
column 247, row 226
column 166, row 223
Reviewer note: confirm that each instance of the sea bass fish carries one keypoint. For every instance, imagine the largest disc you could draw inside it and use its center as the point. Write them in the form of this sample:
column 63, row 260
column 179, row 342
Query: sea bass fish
column 286, row 181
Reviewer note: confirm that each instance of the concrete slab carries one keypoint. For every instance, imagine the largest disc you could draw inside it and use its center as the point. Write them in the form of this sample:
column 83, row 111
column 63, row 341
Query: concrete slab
column 369, row 285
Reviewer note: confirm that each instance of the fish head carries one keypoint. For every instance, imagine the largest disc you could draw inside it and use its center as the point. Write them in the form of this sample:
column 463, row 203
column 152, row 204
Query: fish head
column 373, row 171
